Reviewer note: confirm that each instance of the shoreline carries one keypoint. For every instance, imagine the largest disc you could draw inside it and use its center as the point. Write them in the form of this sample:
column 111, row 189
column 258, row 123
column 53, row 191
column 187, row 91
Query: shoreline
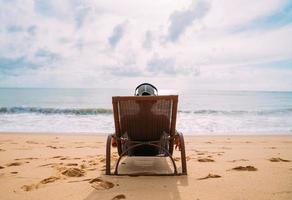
column 201, row 134
column 62, row 166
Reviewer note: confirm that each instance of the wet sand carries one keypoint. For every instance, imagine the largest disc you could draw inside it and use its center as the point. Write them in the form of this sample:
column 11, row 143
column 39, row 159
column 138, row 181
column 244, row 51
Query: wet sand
column 64, row 166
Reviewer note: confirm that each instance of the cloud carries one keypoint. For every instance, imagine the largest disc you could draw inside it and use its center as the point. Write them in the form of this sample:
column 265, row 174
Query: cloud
column 181, row 20
column 44, row 7
column 161, row 65
column 124, row 71
column 168, row 66
column 81, row 12
column 224, row 44
column 230, row 14
column 32, row 29
column 14, row 28
column 117, row 34
column 14, row 66
column 147, row 44
column 53, row 8
column 46, row 56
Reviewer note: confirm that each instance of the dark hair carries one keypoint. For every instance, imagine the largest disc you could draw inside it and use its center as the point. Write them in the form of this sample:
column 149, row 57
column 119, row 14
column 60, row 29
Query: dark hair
column 146, row 89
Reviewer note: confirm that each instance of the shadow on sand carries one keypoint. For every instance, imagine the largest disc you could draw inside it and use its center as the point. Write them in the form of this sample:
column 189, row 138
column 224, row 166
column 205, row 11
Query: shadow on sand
column 142, row 187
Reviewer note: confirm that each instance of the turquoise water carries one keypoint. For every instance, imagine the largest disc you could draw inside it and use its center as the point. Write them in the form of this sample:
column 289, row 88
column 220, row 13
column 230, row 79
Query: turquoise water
column 200, row 112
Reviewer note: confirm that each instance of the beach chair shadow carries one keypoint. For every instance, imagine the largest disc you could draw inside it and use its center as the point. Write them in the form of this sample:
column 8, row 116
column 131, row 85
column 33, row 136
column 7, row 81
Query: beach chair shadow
column 145, row 127
column 143, row 187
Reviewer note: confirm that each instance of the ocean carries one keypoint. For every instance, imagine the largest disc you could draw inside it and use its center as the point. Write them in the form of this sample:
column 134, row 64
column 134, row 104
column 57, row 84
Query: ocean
column 199, row 112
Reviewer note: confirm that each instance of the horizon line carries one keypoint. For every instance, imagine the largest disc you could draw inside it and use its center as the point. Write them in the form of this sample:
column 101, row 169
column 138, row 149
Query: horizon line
column 186, row 89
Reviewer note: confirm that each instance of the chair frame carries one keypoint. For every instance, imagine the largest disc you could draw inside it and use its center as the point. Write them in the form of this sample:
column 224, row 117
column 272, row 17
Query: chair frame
column 157, row 143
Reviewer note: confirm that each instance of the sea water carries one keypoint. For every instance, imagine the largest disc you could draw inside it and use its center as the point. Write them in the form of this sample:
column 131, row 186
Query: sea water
column 199, row 112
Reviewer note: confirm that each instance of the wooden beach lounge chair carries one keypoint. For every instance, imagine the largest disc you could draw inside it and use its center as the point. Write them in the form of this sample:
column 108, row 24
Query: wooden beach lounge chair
column 145, row 126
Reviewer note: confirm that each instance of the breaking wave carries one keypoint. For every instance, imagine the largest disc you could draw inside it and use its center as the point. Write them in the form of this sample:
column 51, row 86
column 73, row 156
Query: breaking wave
column 238, row 112
column 97, row 111
column 72, row 111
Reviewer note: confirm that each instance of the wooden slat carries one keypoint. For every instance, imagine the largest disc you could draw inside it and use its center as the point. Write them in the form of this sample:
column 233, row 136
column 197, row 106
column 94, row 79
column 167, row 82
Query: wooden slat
column 173, row 116
column 125, row 98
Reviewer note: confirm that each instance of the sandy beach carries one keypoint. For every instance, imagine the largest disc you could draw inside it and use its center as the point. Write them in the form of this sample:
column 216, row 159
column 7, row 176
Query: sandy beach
column 64, row 166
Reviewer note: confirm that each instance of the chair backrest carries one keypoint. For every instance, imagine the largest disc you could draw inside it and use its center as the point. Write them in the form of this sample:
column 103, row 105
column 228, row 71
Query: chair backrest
column 145, row 118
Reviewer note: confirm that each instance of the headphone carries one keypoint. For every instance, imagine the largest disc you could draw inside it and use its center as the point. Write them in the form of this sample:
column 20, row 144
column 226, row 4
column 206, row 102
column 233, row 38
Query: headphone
column 136, row 90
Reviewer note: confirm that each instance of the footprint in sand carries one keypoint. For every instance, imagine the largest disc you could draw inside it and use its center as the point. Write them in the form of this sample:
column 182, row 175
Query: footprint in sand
column 247, row 168
column 26, row 158
column 73, row 172
column 14, row 164
column 205, row 160
column 49, row 180
column 54, row 147
column 13, row 172
column 29, row 187
column 57, row 157
column 100, row 184
column 42, row 182
column 87, row 179
column 92, row 162
column 2, row 150
column 238, row 160
column 83, row 166
column 92, row 169
column 72, row 164
column 1, row 167
column 279, row 160
column 210, row 176
column 64, row 158
column 120, row 196
column 178, row 158
column 226, row 148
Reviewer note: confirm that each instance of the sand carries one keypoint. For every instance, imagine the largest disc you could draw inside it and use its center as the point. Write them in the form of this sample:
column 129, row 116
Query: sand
column 63, row 166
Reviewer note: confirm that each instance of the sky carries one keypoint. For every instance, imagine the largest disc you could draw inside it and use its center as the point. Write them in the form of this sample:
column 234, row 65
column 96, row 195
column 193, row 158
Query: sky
column 186, row 44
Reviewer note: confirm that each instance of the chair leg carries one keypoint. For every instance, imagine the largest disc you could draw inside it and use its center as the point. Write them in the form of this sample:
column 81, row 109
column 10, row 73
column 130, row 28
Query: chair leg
column 183, row 154
column 108, row 155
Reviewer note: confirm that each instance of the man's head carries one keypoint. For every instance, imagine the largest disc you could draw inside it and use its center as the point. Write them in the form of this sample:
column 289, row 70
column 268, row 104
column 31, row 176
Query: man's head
column 146, row 89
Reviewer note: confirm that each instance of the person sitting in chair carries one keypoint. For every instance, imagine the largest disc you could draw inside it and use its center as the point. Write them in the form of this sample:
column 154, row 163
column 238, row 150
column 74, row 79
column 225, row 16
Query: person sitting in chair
column 146, row 89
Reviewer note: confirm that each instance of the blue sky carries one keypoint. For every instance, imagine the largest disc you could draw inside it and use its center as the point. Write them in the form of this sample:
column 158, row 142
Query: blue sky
column 197, row 44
